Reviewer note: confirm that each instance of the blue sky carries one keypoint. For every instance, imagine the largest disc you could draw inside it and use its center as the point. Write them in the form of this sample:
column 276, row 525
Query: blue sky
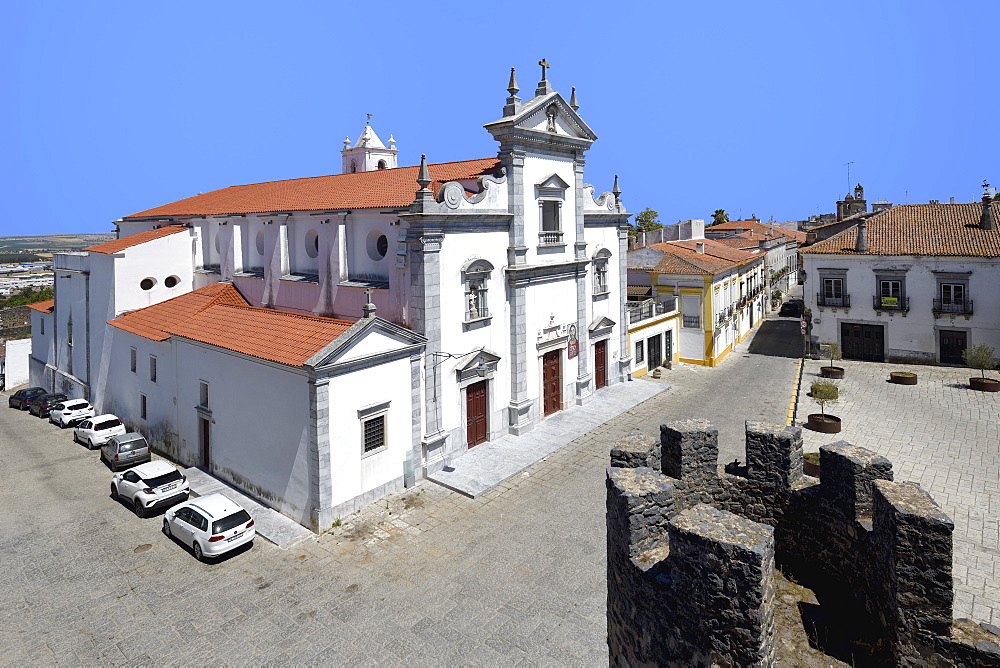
column 113, row 107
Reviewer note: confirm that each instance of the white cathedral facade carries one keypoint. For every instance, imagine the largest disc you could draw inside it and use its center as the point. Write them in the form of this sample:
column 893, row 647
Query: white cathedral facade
column 310, row 341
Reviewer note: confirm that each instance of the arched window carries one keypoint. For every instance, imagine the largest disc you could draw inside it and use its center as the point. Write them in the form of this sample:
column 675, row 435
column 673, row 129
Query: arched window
column 381, row 164
column 601, row 259
column 476, row 276
column 354, row 167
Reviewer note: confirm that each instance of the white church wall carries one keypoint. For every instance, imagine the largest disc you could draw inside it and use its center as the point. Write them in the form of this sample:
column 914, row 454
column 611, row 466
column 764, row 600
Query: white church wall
column 259, row 439
column 363, row 231
column 16, row 362
column 536, row 169
column 354, row 472
column 157, row 260
column 42, row 349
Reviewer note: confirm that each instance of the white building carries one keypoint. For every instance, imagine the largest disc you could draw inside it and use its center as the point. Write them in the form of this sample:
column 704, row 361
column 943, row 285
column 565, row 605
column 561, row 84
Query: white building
column 778, row 245
column 240, row 334
column 914, row 282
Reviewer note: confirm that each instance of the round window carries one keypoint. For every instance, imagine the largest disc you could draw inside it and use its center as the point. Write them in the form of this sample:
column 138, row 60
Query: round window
column 260, row 242
column 171, row 281
column 312, row 243
column 377, row 245
column 147, row 283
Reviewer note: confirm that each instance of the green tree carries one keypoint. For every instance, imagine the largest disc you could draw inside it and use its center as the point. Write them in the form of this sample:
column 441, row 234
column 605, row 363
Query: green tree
column 982, row 357
column 823, row 392
column 719, row 217
column 996, row 197
column 647, row 220
column 30, row 296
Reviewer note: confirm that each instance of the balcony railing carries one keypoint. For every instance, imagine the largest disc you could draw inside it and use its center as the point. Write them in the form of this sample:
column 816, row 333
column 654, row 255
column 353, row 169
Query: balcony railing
column 693, row 321
column 550, row 238
column 823, row 300
column 649, row 308
column 880, row 303
column 960, row 308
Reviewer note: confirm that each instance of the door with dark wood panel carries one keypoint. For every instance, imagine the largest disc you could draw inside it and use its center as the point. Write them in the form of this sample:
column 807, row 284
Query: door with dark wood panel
column 953, row 344
column 551, row 382
column 476, row 423
column 206, row 447
column 601, row 364
column 862, row 342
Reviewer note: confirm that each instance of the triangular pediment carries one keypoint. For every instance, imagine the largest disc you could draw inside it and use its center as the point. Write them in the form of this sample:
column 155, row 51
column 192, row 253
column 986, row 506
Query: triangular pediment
column 549, row 114
column 367, row 338
column 601, row 322
column 482, row 363
column 552, row 182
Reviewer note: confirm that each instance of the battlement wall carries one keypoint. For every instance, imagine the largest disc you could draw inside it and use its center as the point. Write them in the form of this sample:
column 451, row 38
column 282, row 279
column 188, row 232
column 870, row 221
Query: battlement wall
column 692, row 549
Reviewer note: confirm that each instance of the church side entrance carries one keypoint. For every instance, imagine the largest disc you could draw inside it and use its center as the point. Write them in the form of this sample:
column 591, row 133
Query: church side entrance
column 601, row 364
column 551, row 381
column 476, row 423
column 205, row 431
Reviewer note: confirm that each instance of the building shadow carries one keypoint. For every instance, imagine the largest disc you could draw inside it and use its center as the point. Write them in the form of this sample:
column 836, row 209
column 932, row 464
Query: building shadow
column 777, row 338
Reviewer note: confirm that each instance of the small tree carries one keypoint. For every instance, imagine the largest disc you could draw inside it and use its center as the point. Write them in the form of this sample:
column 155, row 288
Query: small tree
column 830, row 351
column 647, row 220
column 719, row 217
column 982, row 357
column 824, row 392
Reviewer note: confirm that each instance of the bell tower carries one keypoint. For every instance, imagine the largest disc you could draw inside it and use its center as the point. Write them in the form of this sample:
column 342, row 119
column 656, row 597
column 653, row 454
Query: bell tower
column 368, row 153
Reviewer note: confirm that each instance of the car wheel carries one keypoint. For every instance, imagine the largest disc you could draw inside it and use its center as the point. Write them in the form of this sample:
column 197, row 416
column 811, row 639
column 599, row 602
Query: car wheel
column 90, row 444
column 198, row 554
column 138, row 508
column 166, row 528
column 62, row 425
column 114, row 492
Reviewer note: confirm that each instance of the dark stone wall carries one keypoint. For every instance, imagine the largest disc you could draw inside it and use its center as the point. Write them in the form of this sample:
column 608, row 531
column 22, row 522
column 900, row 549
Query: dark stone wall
column 692, row 551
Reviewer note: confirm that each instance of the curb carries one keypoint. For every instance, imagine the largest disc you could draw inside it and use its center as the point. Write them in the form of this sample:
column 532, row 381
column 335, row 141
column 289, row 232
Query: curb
column 793, row 403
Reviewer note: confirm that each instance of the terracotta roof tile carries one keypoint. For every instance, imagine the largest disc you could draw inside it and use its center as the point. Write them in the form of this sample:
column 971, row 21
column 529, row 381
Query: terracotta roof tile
column 761, row 229
column 118, row 245
column 639, row 290
column 153, row 321
column 682, row 257
column 46, row 306
column 921, row 229
column 363, row 190
column 278, row 336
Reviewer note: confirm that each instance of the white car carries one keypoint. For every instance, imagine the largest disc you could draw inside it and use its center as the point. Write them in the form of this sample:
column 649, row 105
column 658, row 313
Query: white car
column 211, row 525
column 70, row 412
column 95, row 432
column 149, row 486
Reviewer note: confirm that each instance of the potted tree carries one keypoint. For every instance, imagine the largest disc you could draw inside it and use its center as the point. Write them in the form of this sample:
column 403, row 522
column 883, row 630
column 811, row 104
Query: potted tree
column 982, row 357
column 830, row 351
column 824, row 392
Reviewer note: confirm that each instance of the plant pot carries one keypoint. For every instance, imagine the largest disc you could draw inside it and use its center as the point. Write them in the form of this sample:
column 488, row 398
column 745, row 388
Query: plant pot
column 825, row 424
column 985, row 384
column 831, row 372
column 810, row 465
column 903, row 378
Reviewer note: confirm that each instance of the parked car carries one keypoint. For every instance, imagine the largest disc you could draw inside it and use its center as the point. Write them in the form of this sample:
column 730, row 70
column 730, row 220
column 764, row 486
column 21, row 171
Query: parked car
column 70, row 412
column 792, row 307
column 126, row 450
column 42, row 406
column 211, row 525
column 95, row 432
column 21, row 398
column 149, row 486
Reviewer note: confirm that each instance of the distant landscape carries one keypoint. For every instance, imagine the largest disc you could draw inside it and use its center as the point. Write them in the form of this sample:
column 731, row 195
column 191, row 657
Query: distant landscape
column 45, row 243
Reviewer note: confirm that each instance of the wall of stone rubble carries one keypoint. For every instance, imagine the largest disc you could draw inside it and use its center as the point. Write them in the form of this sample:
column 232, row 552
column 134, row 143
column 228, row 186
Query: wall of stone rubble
column 692, row 547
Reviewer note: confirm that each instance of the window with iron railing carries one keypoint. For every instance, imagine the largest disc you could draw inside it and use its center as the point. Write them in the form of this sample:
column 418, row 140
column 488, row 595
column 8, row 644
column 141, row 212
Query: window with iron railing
column 953, row 299
column 692, row 321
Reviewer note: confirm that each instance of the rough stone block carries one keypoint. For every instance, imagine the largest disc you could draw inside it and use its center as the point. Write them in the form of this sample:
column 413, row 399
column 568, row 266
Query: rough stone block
column 848, row 472
column 635, row 450
column 640, row 503
column 774, row 454
column 689, row 451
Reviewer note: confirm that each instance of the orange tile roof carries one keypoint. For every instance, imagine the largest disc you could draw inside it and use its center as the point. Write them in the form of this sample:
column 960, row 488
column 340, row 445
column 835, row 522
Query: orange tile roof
column 682, row 257
column 761, row 229
column 921, row 229
column 362, row 190
column 278, row 336
column 739, row 241
column 46, row 306
column 118, row 245
column 153, row 321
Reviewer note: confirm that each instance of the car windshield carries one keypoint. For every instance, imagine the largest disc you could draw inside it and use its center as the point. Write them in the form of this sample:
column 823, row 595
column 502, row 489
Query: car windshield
column 108, row 424
column 166, row 478
column 76, row 406
column 129, row 446
column 227, row 523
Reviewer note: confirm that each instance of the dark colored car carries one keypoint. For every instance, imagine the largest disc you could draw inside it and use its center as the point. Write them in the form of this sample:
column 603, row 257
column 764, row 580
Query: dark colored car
column 42, row 406
column 792, row 307
column 21, row 398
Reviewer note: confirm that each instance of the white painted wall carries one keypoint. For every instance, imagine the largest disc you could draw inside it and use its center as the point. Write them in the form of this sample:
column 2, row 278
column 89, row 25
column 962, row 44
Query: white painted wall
column 16, row 362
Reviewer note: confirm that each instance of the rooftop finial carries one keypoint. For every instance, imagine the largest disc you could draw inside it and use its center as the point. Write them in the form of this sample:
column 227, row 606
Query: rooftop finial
column 986, row 187
column 986, row 219
column 424, row 175
column 543, row 85
column 572, row 100
column 369, row 308
column 512, row 86
column 369, row 121
column 617, row 192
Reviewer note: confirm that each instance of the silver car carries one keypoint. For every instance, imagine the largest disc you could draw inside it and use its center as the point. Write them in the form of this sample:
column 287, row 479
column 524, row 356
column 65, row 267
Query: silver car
column 127, row 450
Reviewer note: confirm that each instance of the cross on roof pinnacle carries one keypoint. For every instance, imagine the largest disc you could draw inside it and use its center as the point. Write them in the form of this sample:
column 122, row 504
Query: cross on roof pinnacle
column 545, row 65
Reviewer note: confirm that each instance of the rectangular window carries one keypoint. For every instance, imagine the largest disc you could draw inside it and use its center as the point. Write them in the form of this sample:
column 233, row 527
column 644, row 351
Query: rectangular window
column 132, row 359
column 475, row 300
column 551, row 232
column 890, row 294
column 152, row 368
column 374, row 433
column 952, row 294
column 833, row 289
column 203, row 394
column 142, row 406
column 41, row 323
column 600, row 277
column 639, row 349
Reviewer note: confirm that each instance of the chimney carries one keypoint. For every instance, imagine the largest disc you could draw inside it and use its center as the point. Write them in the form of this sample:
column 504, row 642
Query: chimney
column 700, row 247
column 986, row 220
column 862, row 245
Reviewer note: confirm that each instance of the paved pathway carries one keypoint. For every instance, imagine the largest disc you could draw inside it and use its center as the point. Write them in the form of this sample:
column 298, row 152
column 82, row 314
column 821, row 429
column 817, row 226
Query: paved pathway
column 942, row 435
column 487, row 465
